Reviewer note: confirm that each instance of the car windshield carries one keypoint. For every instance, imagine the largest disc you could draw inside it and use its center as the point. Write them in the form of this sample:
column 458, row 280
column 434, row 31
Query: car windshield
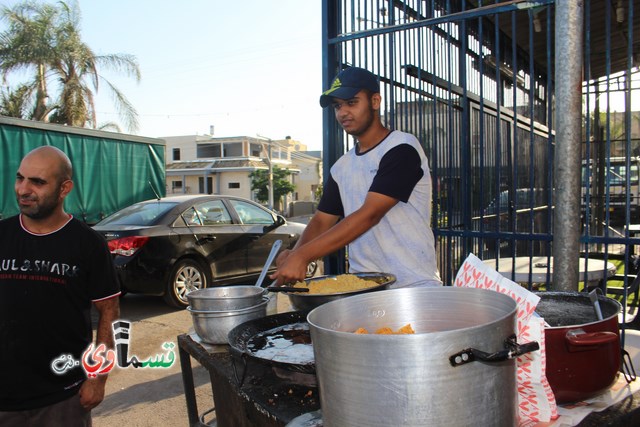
column 139, row 214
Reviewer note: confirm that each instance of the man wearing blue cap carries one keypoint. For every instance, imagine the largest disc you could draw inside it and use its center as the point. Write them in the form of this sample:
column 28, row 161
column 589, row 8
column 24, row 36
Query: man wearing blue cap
column 381, row 189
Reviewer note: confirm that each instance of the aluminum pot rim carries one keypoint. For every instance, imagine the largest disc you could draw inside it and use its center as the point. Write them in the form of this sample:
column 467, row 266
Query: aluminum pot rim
column 506, row 299
column 200, row 294
column 227, row 313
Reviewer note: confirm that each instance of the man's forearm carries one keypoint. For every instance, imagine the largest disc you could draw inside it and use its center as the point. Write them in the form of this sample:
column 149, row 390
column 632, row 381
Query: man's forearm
column 109, row 312
column 316, row 226
column 335, row 238
column 347, row 230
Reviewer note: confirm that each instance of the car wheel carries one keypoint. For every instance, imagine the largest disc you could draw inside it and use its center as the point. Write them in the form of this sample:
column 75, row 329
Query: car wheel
column 187, row 275
column 312, row 267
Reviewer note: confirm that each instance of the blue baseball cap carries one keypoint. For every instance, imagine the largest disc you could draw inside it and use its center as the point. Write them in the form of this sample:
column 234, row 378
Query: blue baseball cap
column 348, row 83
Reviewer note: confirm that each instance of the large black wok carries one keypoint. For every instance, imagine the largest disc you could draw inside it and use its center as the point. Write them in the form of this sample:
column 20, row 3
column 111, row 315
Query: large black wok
column 280, row 341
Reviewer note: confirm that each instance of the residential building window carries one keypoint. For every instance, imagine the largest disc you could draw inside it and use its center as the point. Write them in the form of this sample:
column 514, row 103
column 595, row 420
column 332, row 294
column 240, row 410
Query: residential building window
column 234, row 185
column 176, row 154
column 176, row 185
column 209, row 151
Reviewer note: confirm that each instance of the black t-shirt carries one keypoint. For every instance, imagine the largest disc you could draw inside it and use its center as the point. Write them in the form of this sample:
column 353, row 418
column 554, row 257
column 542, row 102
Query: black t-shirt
column 47, row 285
column 397, row 175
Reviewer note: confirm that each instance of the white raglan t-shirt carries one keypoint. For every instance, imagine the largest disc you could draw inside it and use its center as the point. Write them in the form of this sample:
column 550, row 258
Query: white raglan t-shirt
column 402, row 243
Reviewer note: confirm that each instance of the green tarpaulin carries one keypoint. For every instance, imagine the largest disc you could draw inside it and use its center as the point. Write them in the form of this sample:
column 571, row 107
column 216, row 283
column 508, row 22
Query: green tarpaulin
column 110, row 170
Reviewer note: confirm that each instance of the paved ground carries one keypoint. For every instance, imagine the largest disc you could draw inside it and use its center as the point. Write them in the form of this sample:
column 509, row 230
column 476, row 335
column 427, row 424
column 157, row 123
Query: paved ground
column 151, row 396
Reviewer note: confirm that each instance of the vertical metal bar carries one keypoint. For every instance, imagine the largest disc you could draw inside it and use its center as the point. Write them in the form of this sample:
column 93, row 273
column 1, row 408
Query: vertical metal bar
column 569, row 46
column 550, row 153
column 391, row 69
column 332, row 139
column 481, row 124
column 628, row 151
column 607, row 145
column 332, row 148
column 189, row 386
column 465, row 138
column 586, row 179
column 498, row 127
column 533, row 165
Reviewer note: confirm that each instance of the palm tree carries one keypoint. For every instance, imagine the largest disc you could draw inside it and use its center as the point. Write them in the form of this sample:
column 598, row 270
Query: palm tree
column 46, row 39
column 27, row 44
column 14, row 103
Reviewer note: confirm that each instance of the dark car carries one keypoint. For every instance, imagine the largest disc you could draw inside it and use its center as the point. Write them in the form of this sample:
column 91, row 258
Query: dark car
column 520, row 208
column 173, row 245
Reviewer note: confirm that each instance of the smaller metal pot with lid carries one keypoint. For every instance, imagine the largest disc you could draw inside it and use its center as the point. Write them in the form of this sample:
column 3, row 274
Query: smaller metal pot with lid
column 583, row 352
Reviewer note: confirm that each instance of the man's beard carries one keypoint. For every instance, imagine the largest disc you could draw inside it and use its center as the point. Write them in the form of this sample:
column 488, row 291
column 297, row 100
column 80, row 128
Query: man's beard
column 362, row 129
column 41, row 209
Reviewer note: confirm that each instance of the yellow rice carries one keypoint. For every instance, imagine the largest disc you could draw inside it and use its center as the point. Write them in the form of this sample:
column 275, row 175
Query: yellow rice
column 337, row 284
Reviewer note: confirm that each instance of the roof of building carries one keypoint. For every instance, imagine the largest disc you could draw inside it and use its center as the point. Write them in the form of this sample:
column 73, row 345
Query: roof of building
column 218, row 164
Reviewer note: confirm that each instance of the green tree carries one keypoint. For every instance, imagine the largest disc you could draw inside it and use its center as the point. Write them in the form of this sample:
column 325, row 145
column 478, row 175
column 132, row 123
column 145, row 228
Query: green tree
column 14, row 103
column 281, row 185
column 44, row 39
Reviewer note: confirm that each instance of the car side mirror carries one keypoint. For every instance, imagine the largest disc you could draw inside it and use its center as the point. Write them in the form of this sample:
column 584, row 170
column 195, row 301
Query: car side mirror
column 279, row 222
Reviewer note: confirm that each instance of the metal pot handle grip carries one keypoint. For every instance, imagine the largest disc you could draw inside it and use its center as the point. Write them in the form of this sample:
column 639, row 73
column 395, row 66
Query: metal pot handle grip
column 592, row 338
column 511, row 351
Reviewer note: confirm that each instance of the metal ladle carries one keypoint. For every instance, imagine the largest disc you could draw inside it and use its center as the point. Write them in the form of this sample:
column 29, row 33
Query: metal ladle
column 593, row 296
column 272, row 255
column 286, row 289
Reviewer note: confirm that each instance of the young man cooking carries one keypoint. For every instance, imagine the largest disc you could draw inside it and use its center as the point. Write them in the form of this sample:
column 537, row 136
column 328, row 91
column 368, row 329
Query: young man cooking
column 381, row 189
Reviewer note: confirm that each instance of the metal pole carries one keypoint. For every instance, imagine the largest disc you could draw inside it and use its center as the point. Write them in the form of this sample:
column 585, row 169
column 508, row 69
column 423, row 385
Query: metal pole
column 270, row 164
column 568, row 77
column 332, row 138
column 270, row 178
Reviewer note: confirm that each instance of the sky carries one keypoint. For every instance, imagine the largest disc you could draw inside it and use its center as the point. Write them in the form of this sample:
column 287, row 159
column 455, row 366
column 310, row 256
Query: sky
column 250, row 67
column 247, row 68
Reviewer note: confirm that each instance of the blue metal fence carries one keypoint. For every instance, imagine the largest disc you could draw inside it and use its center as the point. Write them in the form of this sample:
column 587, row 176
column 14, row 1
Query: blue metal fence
column 474, row 82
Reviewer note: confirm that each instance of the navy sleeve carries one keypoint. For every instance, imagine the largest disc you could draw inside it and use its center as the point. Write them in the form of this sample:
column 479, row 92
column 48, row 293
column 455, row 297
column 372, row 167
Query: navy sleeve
column 330, row 202
column 399, row 172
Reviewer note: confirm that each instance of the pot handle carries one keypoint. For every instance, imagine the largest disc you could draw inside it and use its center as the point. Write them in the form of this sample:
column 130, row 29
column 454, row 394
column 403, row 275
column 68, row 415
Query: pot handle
column 579, row 340
column 240, row 381
column 511, row 351
column 627, row 367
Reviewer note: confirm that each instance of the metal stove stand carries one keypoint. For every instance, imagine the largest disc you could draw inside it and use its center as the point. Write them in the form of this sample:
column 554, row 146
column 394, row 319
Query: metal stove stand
column 264, row 399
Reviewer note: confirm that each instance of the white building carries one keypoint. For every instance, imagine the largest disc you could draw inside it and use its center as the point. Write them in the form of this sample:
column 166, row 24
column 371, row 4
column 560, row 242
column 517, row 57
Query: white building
column 203, row 164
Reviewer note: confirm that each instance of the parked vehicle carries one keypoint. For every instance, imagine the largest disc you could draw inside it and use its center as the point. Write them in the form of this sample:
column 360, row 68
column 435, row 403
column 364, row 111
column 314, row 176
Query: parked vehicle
column 612, row 188
column 173, row 245
column 521, row 212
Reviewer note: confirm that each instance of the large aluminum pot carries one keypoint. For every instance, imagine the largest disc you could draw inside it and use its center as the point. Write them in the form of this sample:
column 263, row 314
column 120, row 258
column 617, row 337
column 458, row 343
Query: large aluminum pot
column 225, row 297
column 305, row 302
column 583, row 353
column 454, row 371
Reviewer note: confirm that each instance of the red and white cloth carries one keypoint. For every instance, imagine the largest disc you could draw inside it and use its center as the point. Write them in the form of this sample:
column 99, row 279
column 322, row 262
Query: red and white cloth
column 536, row 402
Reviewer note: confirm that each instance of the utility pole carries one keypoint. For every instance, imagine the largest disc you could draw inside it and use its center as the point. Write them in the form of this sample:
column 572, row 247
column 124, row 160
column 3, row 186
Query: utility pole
column 270, row 164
